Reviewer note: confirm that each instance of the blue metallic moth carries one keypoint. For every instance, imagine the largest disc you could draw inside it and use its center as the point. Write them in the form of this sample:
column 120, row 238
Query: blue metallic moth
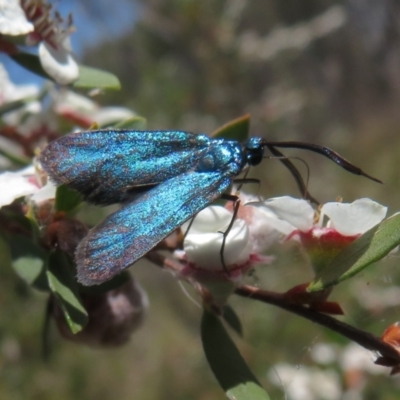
column 162, row 178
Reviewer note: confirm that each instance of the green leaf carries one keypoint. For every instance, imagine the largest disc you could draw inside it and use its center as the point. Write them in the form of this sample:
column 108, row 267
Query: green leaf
column 5, row 259
column 367, row 249
column 95, row 78
column 67, row 199
column 134, row 123
column 247, row 391
column 88, row 77
column 237, row 129
column 33, row 223
column 226, row 362
column 28, row 261
column 17, row 160
column 31, row 62
column 232, row 319
column 63, row 285
column 16, row 104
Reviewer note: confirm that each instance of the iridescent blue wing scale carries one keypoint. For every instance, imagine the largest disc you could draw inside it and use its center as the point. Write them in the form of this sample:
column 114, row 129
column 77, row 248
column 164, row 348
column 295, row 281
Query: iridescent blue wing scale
column 127, row 235
column 107, row 166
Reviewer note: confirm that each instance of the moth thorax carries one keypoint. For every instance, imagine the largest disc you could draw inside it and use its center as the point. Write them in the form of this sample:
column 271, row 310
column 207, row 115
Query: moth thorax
column 207, row 163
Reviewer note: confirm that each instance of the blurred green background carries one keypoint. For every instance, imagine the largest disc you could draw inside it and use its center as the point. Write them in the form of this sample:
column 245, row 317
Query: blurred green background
column 325, row 72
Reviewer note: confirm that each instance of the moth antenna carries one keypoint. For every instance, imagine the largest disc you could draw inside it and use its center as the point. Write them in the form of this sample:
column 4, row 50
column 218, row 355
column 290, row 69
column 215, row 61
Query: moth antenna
column 303, row 186
column 327, row 152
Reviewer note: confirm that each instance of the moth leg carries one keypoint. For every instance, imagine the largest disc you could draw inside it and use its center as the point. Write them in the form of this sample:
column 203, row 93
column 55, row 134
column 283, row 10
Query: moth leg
column 235, row 199
column 236, row 205
column 243, row 181
column 188, row 228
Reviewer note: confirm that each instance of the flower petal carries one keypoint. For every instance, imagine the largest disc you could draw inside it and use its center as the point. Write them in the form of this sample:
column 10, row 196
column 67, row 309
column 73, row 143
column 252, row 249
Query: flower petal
column 58, row 63
column 354, row 218
column 204, row 240
column 13, row 21
column 47, row 192
column 209, row 220
column 265, row 227
column 109, row 115
column 15, row 185
column 290, row 213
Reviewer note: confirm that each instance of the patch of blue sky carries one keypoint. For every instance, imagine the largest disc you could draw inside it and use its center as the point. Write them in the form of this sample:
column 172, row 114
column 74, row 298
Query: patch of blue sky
column 99, row 20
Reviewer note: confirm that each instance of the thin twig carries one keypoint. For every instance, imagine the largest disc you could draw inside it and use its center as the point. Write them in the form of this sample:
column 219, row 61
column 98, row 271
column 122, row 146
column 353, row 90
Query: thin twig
column 164, row 262
column 364, row 339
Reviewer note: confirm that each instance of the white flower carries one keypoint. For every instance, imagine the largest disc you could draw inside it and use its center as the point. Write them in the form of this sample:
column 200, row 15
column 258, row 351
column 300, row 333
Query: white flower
column 204, row 240
column 347, row 219
column 355, row 357
column 326, row 235
column 85, row 112
column 10, row 92
column 323, row 353
column 14, row 185
column 13, row 21
column 306, row 383
column 261, row 223
column 59, row 61
column 32, row 18
column 353, row 218
column 30, row 106
column 288, row 213
column 202, row 253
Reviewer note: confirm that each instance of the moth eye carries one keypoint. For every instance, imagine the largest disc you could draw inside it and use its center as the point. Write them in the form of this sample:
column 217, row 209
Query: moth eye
column 255, row 157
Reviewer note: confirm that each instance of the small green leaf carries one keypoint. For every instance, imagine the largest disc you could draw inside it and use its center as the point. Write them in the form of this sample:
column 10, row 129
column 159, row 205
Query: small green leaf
column 237, row 129
column 5, row 259
column 63, row 285
column 134, row 123
column 17, row 160
column 232, row 319
column 247, row 391
column 67, row 199
column 95, row 78
column 30, row 62
column 28, row 261
column 33, row 223
column 367, row 249
column 16, row 104
column 226, row 362
column 88, row 77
